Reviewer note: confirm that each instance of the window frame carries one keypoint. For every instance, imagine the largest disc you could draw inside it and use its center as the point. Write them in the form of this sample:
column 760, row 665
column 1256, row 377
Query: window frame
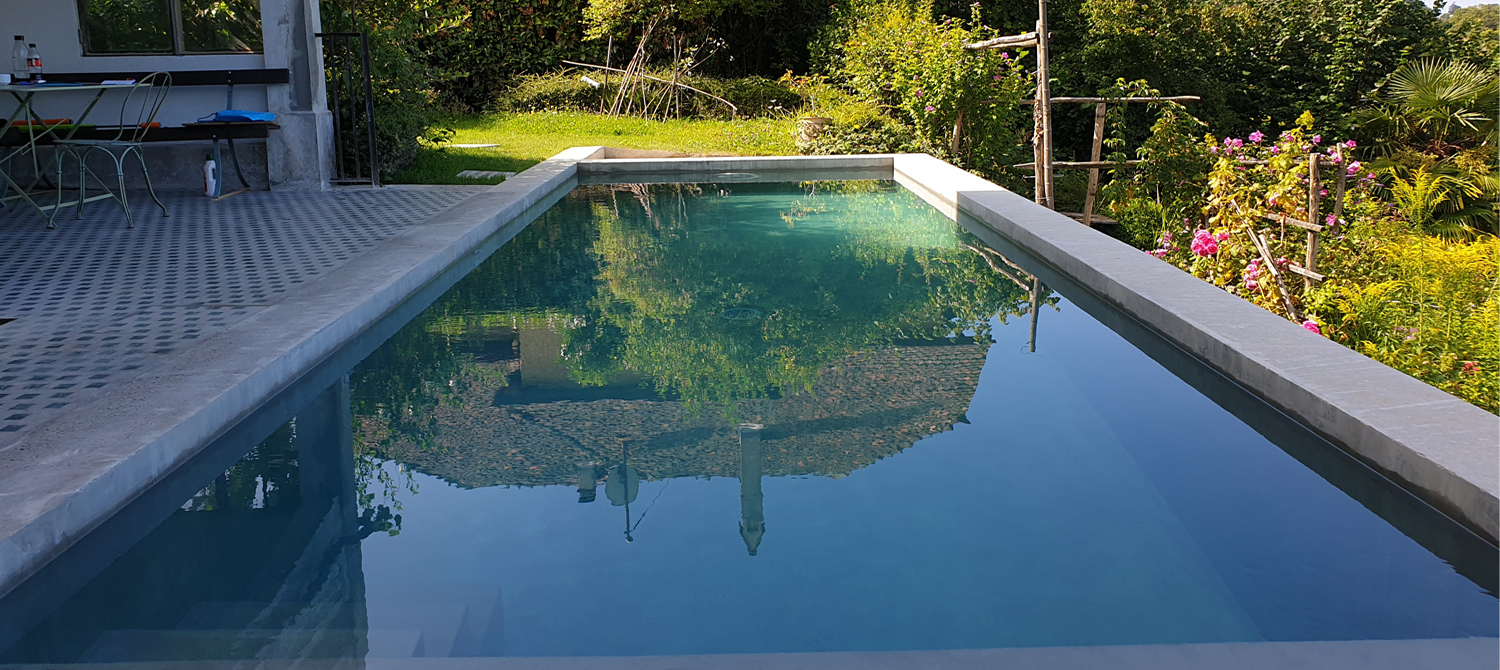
column 174, row 8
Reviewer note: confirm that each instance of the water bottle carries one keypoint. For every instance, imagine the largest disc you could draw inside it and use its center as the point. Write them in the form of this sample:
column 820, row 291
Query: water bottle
column 19, row 68
column 34, row 63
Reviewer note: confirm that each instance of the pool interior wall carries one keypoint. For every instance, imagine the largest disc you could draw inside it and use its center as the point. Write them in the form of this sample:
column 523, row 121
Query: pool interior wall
column 1434, row 445
column 862, row 503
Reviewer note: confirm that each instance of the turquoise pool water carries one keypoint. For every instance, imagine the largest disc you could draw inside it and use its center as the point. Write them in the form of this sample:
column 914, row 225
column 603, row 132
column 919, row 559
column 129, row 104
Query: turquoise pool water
column 731, row 418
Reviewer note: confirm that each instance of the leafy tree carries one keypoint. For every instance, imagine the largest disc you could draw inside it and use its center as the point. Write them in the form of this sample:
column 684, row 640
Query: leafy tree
column 1472, row 35
column 406, row 109
column 897, row 55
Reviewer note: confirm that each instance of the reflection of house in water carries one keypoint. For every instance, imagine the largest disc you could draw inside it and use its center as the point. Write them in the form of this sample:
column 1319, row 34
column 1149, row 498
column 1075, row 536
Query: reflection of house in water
column 541, row 429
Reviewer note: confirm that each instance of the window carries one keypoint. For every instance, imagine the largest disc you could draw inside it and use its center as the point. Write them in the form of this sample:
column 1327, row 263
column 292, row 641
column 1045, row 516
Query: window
column 170, row 26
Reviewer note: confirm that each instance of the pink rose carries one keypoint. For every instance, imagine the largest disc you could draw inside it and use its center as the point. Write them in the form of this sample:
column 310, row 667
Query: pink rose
column 1204, row 243
column 1312, row 326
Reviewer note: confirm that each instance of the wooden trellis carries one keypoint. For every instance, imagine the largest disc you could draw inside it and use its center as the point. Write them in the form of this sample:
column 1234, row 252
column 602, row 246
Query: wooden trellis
column 1041, row 141
column 1044, row 165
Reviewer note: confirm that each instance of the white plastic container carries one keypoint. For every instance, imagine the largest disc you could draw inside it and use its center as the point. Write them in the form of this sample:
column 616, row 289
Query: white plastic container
column 210, row 177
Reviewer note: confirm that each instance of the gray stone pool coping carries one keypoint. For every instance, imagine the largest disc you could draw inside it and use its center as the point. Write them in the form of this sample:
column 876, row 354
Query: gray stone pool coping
column 1434, row 654
column 68, row 476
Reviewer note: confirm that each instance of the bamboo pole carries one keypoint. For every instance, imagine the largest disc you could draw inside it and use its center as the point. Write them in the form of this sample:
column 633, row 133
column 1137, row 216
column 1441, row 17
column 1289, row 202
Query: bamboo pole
column 958, row 133
column 732, row 107
column 1342, row 184
column 1036, row 293
column 1080, row 165
column 1093, row 100
column 1022, row 40
column 1314, row 200
column 1265, row 256
column 1098, row 152
column 1043, row 114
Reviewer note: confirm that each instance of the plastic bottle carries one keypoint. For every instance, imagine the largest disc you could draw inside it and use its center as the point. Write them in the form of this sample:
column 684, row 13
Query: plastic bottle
column 34, row 63
column 18, row 60
column 210, row 176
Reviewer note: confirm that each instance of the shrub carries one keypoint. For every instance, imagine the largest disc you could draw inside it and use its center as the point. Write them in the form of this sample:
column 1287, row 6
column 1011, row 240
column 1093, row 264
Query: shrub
column 915, row 68
column 875, row 135
column 1423, row 305
column 566, row 90
column 555, row 91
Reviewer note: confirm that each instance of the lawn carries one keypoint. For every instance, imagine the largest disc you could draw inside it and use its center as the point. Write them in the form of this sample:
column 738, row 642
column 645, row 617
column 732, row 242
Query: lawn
column 525, row 139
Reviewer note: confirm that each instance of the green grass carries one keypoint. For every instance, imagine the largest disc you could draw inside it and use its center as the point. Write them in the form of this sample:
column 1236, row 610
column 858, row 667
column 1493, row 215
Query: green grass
column 526, row 139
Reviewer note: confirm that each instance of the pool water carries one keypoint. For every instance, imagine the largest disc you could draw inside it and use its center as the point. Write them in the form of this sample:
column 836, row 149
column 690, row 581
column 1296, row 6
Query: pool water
column 749, row 417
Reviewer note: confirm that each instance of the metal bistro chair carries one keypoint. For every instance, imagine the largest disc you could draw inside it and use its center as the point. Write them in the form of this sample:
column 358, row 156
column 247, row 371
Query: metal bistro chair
column 137, row 114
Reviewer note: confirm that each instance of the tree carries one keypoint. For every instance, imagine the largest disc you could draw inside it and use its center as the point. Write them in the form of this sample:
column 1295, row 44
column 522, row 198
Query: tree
column 1433, row 124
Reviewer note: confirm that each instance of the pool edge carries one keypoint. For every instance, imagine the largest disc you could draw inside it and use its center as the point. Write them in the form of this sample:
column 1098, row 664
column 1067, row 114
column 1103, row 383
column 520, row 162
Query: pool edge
column 1435, row 445
column 68, row 476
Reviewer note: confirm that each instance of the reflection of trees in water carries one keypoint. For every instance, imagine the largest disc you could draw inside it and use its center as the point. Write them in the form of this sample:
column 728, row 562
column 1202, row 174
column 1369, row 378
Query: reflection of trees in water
column 845, row 266
column 635, row 280
column 264, row 478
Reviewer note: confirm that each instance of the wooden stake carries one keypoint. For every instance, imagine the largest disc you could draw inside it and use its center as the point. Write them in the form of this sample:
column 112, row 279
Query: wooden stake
column 1092, row 100
column 1265, row 256
column 1338, row 193
column 732, row 109
column 1043, row 112
column 958, row 133
column 1036, row 293
column 1098, row 153
column 1022, row 40
column 1314, row 199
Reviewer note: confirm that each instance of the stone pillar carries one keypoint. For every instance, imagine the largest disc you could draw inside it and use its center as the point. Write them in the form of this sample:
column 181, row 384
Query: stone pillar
column 300, row 155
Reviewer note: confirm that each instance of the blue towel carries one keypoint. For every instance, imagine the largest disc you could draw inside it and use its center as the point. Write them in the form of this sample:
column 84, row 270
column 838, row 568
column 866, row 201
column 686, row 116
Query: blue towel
column 237, row 115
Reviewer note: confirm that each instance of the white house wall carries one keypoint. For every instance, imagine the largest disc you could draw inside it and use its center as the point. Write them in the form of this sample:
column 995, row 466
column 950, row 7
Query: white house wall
column 299, row 156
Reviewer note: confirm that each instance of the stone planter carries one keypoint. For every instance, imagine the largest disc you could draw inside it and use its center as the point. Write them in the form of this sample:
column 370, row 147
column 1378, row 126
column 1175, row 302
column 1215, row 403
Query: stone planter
column 810, row 127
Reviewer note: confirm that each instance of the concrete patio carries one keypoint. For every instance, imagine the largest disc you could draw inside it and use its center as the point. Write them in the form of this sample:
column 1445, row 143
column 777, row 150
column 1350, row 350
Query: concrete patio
column 93, row 304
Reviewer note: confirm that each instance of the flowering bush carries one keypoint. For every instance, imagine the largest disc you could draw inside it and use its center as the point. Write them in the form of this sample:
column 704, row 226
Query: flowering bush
column 1420, row 303
column 1240, row 240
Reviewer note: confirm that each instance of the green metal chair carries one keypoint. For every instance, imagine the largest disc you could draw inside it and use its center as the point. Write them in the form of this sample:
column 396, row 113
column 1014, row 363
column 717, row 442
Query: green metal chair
column 137, row 113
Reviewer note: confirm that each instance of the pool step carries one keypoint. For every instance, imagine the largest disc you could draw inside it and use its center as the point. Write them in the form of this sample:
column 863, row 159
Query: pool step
column 443, row 625
column 455, row 619
column 124, row 646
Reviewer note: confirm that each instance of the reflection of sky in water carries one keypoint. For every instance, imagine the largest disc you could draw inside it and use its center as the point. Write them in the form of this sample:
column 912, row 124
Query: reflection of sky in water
column 1093, row 499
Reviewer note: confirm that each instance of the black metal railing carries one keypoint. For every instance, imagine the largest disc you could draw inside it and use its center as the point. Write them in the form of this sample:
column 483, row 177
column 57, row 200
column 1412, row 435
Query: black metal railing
column 346, row 69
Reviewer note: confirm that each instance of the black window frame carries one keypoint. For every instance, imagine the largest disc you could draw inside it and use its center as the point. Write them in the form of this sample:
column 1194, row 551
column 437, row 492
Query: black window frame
column 174, row 8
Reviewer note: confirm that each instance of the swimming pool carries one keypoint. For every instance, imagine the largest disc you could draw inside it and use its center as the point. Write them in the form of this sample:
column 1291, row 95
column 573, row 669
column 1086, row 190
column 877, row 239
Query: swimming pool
column 730, row 417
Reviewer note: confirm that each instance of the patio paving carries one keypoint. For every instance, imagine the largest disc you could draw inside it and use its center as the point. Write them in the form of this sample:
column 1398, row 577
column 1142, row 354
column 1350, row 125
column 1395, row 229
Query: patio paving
column 95, row 304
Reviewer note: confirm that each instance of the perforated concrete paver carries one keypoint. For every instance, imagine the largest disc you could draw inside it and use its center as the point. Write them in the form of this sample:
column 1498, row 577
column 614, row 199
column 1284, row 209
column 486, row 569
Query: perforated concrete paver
column 94, row 303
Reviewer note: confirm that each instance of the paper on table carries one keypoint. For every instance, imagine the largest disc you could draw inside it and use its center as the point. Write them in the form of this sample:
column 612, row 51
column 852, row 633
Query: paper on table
column 117, row 82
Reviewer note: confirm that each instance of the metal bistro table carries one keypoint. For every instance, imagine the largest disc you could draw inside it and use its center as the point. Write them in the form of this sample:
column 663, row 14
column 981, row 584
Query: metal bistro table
column 35, row 130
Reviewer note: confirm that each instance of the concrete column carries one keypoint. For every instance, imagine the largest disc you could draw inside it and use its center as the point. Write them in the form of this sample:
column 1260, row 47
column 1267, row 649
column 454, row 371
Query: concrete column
column 752, row 508
column 300, row 155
